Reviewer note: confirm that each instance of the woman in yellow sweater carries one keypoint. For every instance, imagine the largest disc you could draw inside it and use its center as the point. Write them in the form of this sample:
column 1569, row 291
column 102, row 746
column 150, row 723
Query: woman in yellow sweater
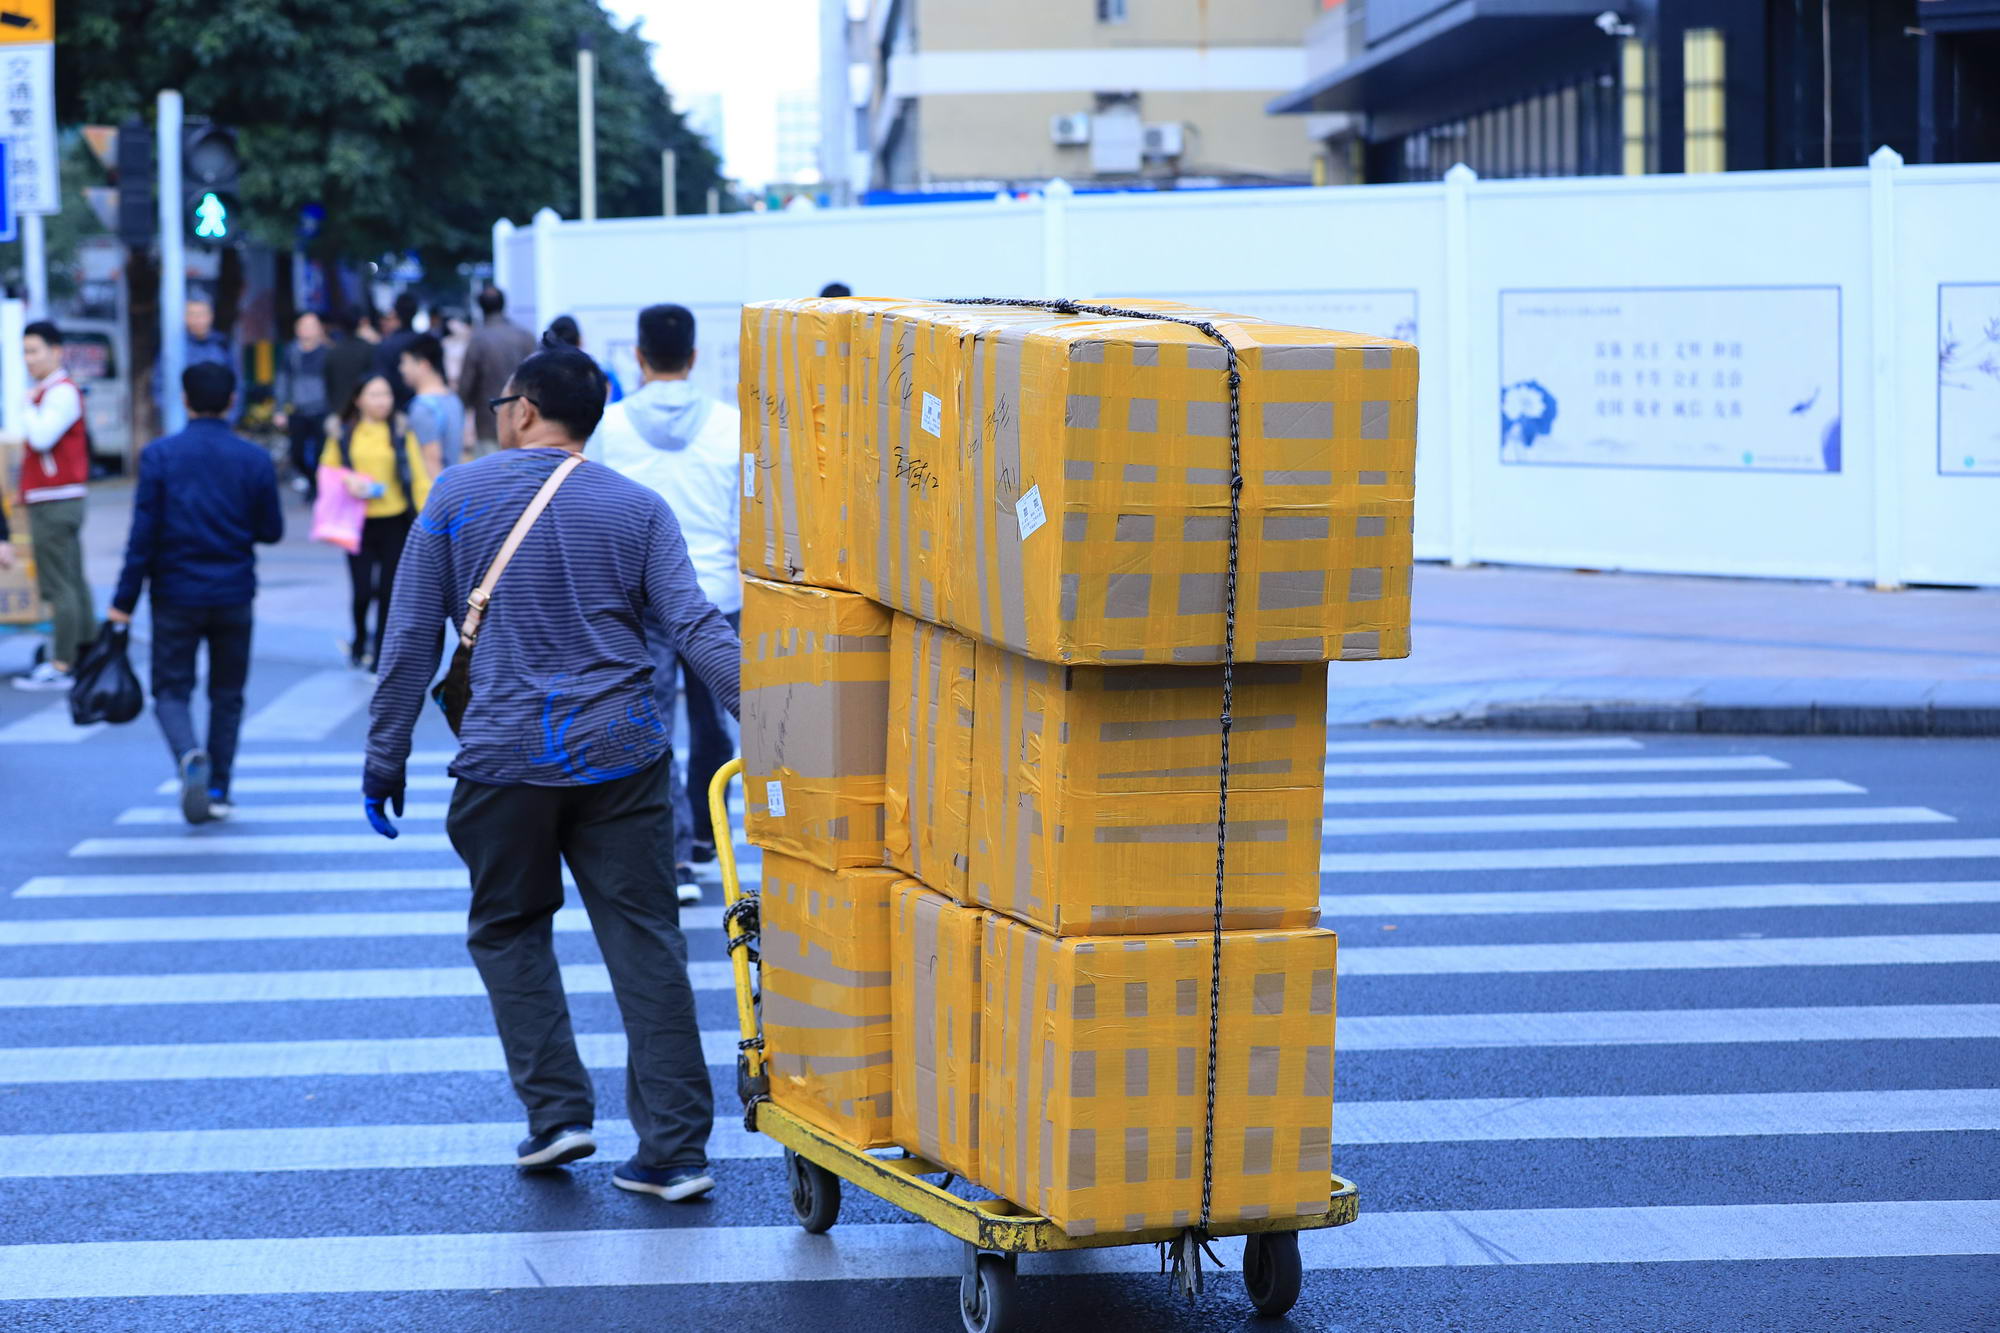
column 386, row 468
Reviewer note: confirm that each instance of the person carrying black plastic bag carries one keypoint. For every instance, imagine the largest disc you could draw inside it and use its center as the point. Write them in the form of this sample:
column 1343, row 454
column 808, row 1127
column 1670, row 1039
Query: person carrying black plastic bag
column 205, row 498
column 563, row 756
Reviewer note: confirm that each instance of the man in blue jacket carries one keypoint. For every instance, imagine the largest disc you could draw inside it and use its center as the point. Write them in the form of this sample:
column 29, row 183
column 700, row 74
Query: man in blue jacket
column 205, row 498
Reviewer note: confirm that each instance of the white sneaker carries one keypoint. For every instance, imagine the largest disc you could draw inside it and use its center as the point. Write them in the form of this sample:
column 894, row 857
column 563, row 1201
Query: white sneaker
column 43, row 677
column 685, row 887
column 220, row 809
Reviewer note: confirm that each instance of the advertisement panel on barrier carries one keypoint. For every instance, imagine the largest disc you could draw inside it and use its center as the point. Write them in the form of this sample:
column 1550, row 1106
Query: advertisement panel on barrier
column 1968, row 372
column 1725, row 378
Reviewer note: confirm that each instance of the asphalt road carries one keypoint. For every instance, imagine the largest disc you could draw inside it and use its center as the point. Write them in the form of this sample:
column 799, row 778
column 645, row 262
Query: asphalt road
column 1652, row 1033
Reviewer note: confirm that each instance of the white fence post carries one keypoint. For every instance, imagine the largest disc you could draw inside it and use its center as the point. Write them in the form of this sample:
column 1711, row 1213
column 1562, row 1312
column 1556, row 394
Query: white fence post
column 547, row 301
column 1884, row 327
column 503, row 232
column 1460, row 394
column 1055, row 238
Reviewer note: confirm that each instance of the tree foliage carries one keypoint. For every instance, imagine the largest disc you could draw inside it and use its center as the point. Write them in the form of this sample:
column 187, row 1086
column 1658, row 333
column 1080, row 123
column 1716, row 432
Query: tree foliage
column 414, row 126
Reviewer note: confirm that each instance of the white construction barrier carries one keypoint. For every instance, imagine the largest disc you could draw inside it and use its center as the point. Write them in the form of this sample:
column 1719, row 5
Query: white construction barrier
column 1786, row 374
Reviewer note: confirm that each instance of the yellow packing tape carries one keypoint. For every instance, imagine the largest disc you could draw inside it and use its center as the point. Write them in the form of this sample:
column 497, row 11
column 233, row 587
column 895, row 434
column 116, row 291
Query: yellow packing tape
column 937, row 1027
column 826, row 996
column 928, row 792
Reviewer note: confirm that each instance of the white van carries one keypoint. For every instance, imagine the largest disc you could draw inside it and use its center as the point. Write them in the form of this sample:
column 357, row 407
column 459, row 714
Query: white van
column 97, row 358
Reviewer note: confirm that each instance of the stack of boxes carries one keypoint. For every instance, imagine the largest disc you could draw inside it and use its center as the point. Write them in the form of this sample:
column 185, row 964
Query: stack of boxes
column 986, row 553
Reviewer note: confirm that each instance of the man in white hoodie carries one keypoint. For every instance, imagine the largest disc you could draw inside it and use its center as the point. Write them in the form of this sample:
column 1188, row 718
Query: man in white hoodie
column 684, row 445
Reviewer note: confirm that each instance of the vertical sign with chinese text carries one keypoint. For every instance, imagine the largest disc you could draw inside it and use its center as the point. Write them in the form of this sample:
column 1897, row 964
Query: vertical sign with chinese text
column 28, row 104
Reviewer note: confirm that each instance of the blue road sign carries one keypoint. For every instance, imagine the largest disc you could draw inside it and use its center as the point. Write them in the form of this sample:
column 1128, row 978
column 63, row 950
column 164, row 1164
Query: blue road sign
column 10, row 223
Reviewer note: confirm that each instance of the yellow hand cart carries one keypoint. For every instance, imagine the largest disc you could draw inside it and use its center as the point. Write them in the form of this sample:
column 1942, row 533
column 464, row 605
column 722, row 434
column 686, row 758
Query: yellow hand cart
column 995, row 1233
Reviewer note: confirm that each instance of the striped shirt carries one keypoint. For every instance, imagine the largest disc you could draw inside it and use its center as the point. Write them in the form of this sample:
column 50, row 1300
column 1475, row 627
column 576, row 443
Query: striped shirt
column 562, row 691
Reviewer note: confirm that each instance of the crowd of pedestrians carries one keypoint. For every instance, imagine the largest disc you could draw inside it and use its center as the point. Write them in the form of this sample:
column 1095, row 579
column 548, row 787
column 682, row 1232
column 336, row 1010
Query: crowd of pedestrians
column 615, row 523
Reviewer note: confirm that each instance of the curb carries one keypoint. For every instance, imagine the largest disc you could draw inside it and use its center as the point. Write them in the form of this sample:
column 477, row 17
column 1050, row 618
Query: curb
column 1727, row 705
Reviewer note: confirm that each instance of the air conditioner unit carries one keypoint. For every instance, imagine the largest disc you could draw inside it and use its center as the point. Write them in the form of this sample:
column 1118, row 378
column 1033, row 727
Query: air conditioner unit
column 1163, row 140
column 1071, row 130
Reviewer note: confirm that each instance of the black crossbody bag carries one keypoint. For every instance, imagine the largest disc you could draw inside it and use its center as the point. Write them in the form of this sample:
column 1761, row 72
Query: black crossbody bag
column 453, row 694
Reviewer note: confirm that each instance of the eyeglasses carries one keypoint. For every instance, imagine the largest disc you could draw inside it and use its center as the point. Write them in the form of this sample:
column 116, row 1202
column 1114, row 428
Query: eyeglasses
column 495, row 404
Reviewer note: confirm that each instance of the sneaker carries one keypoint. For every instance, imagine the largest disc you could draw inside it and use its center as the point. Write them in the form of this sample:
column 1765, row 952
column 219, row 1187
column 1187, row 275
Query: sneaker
column 554, row 1147
column 673, row 1184
column 704, row 852
column 219, row 806
column 194, row 786
column 43, row 677
column 685, row 887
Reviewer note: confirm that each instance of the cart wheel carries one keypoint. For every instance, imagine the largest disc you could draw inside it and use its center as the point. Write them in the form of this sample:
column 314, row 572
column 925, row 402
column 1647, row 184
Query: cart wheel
column 815, row 1193
column 986, row 1295
column 1271, row 1270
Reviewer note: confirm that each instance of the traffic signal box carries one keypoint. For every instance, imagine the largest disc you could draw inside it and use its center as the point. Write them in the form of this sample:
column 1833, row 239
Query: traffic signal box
column 998, row 538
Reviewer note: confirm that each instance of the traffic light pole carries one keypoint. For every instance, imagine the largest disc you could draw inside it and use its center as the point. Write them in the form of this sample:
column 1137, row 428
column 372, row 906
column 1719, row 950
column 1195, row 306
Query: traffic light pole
column 35, row 264
column 173, row 266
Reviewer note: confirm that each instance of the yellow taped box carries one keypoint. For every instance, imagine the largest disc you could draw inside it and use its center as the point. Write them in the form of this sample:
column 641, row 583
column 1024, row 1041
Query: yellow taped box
column 815, row 722
column 1095, row 795
column 826, row 996
column 793, row 390
column 1094, row 1075
column 937, row 998
column 1093, row 522
column 928, row 790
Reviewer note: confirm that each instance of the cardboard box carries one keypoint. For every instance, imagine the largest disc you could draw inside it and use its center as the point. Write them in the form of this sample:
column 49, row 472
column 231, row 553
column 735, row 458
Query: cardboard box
column 928, row 790
column 815, row 722
column 826, row 996
column 1095, row 795
column 1094, row 503
column 1094, row 1075
column 793, row 388
column 937, row 998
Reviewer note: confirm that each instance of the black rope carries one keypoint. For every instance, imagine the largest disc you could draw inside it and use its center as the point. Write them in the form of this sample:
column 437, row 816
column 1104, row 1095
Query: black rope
column 743, row 913
column 1234, row 381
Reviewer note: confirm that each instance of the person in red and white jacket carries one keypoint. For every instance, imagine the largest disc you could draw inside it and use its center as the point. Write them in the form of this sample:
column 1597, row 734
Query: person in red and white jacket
column 54, row 469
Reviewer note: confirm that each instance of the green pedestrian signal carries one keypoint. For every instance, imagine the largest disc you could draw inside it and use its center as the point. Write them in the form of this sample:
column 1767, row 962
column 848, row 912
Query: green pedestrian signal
column 211, row 217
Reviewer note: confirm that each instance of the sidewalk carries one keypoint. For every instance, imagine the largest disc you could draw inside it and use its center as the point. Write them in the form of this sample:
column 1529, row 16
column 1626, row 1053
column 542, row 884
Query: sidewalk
column 1562, row 650
column 1492, row 647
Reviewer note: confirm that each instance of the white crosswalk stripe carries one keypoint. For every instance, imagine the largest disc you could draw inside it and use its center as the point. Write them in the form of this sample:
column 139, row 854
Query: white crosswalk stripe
column 421, row 983
column 1676, row 854
column 311, row 709
column 48, row 725
column 1379, row 826
column 1548, row 834
column 739, row 1256
column 1415, row 1032
column 1484, row 1120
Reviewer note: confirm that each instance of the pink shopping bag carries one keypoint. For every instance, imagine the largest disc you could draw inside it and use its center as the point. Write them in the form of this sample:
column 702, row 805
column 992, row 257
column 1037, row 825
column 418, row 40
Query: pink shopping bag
column 337, row 516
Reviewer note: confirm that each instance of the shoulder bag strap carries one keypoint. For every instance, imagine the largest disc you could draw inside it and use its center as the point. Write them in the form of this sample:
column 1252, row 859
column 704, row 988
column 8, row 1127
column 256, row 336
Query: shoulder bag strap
column 476, row 601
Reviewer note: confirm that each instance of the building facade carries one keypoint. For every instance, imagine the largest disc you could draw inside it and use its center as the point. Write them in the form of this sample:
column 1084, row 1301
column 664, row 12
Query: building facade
column 978, row 96
column 1594, row 87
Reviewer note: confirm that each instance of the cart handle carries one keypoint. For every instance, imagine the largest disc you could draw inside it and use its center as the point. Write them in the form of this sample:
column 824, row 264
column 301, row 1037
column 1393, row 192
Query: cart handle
column 732, row 893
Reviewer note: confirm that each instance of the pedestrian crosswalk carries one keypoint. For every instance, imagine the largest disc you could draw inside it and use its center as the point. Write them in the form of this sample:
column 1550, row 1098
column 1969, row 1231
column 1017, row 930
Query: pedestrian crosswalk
column 1607, row 961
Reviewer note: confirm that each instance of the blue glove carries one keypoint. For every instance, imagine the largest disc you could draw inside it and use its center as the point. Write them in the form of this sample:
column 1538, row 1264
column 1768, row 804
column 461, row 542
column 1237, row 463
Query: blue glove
column 377, row 792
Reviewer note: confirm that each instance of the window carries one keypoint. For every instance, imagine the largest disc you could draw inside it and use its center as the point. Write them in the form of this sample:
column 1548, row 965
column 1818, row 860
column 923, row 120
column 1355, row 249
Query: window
column 1110, row 11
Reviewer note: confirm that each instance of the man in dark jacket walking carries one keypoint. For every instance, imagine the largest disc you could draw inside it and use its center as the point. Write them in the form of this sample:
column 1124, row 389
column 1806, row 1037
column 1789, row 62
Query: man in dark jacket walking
column 389, row 352
column 205, row 498
column 301, row 398
column 498, row 345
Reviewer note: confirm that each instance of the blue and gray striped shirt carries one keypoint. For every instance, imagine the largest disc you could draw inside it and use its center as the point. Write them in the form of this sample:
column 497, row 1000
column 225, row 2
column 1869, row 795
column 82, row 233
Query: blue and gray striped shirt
column 562, row 691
